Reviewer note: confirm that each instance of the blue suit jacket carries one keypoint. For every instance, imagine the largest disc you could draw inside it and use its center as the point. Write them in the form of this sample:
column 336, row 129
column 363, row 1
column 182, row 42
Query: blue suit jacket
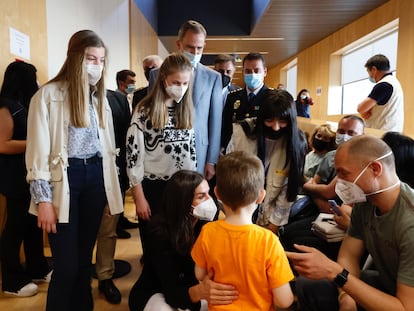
column 208, row 108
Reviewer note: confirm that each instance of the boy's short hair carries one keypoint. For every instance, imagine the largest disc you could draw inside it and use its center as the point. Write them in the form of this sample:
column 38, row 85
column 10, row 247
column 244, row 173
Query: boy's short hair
column 239, row 179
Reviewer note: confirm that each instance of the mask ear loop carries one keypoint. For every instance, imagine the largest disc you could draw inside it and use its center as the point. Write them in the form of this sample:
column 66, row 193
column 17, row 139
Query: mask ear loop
column 377, row 159
column 389, row 187
column 383, row 156
column 362, row 172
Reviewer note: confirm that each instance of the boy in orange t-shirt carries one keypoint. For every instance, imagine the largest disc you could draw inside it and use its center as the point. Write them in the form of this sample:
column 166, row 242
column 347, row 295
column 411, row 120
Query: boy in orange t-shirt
column 239, row 252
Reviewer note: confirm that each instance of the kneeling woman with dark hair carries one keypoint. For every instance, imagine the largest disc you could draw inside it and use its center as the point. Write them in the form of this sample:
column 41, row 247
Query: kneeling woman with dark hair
column 167, row 281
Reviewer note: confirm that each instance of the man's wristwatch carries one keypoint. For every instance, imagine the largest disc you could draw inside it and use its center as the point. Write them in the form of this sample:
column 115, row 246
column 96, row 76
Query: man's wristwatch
column 341, row 278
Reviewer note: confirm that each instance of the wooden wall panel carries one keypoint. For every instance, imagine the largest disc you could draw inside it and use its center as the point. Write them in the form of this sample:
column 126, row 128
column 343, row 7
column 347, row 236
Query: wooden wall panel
column 405, row 65
column 313, row 63
column 28, row 17
column 144, row 41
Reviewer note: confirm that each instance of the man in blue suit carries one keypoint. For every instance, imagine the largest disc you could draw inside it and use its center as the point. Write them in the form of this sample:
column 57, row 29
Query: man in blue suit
column 207, row 97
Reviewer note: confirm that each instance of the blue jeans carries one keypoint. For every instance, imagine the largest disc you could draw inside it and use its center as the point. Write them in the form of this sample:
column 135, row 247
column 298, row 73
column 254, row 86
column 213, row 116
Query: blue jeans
column 72, row 245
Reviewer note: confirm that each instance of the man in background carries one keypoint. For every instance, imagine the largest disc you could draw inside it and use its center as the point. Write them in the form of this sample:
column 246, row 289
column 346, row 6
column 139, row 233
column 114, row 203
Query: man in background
column 244, row 102
column 226, row 65
column 384, row 107
column 148, row 63
column 125, row 82
column 110, row 228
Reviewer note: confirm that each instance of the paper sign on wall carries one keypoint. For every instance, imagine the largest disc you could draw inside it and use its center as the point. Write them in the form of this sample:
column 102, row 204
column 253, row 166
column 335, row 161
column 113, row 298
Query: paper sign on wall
column 19, row 44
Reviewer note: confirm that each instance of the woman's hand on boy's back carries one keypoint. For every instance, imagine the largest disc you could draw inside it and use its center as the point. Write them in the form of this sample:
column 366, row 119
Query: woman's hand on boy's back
column 215, row 293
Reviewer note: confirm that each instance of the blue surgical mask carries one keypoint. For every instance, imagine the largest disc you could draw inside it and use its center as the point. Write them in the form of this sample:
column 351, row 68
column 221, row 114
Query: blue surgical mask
column 371, row 79
column 130, row 88
column 253, row 80
column 194, row 59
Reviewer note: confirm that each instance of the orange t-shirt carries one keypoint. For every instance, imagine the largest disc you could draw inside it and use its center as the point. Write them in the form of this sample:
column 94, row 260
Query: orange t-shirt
column 249, row 257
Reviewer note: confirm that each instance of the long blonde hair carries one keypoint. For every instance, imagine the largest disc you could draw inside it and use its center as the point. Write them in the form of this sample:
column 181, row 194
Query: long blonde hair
column 74, row 73
column 154, row 103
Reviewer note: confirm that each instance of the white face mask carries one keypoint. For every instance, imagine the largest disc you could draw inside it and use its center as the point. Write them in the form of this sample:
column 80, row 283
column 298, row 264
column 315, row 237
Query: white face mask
column 94, row 73
column 194, row 59
column 176, row 92
column 206, row 210
column 350, row 192
column 341, row 138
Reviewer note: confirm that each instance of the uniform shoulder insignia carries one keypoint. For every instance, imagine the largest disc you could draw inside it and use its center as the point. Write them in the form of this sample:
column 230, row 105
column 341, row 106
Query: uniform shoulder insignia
column 236, row 104
column 235, row 91
column 271, row 88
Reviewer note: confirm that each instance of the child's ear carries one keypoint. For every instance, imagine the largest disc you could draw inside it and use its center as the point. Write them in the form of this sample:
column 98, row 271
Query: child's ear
column 216, row 193
column 261, row 197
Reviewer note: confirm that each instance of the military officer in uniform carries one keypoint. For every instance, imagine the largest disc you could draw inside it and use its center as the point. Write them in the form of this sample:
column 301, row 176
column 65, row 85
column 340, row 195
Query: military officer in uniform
column 244, row 102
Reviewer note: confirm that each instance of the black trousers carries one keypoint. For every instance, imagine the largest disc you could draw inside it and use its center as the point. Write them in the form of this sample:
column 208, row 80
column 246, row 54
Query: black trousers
column 153, row 191
column 322, row 295
column 21, row 227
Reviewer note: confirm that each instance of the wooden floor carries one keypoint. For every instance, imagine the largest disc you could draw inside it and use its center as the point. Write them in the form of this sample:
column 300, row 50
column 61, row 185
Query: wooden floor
column 129, row 250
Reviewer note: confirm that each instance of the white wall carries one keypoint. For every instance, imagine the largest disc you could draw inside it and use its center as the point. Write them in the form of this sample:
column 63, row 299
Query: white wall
column 109, row 19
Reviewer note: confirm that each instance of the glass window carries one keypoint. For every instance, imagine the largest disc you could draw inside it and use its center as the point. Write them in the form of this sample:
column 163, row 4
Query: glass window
column 355, row 85
column 292, row 74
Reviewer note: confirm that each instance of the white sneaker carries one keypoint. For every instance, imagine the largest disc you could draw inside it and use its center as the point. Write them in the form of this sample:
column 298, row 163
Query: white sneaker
column 45, row 279
column 28, row 290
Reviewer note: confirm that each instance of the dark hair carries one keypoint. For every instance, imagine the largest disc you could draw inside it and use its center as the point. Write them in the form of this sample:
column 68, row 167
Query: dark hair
column 254, row 56
column 353, row 117
column 280, row 104
column 403, row 149
column 176, row 209
column 224, row 58
column 19, row 82
column 300, row 93
column 380, row 61
column 123, row 75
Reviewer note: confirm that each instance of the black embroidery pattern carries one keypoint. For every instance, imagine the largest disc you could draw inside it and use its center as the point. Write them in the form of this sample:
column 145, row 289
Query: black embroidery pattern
column 178, row 144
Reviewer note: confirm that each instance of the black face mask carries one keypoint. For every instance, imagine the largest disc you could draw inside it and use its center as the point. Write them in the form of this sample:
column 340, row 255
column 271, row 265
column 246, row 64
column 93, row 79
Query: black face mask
column 225, row 80
column 321, row 145
column 271, row 134
column 147, row 72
